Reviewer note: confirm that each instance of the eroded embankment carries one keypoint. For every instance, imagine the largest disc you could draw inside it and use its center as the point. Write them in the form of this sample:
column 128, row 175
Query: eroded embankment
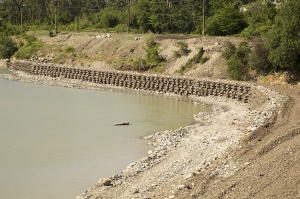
column 179, row 154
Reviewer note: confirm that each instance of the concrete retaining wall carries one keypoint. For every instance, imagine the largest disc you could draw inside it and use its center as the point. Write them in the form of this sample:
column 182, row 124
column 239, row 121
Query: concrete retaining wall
column 159, row 83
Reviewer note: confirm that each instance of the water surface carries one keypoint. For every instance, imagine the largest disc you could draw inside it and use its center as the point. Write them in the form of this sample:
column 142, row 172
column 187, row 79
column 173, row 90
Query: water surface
column 56, row 142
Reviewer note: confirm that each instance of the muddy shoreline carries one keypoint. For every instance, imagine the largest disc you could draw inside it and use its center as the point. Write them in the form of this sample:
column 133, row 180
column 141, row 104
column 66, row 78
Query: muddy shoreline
column 180, row 154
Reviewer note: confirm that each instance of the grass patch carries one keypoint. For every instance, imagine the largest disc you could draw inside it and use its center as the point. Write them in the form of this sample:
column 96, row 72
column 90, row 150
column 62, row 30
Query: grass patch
column 27, row 50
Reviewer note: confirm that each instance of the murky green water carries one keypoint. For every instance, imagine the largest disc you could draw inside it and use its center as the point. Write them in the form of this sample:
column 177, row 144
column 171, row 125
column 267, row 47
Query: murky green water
column 56, row 142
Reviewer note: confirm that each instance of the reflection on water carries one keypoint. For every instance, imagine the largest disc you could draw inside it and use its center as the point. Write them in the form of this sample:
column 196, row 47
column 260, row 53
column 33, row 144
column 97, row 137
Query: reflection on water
column 56, row 142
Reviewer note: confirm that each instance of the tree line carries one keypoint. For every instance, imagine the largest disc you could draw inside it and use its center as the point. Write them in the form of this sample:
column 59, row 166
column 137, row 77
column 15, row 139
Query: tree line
column 158, row 16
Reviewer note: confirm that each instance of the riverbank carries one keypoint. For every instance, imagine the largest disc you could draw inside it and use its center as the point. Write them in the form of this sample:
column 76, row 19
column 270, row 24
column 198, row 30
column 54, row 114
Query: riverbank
column 180, row 155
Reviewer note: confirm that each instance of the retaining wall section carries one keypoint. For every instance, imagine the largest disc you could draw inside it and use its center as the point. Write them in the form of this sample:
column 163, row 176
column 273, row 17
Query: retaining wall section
column 165, row 84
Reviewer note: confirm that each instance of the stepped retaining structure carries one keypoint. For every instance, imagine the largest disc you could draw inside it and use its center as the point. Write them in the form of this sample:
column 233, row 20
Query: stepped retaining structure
column 160, row 83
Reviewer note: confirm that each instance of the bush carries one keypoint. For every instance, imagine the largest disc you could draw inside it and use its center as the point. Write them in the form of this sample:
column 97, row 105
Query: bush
column 258, row 59
column 228, row 50
column 238, row 63
column 203, row 60
column 109, row 18
column 183, row 49
column 140, row 65
column 152, row 55
column 51, row 34
column 30, row 38
column 68, row 49
column 194, row 60
column 26, row 51
column 153, row 61
column 12, row 30
column 7, row 47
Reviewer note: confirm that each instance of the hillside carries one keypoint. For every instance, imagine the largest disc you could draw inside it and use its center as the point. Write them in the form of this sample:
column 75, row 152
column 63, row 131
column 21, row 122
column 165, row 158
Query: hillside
column 90, row 49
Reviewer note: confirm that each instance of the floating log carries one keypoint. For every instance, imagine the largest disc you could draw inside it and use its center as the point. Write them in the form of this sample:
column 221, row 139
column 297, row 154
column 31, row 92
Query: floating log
column 124, row 123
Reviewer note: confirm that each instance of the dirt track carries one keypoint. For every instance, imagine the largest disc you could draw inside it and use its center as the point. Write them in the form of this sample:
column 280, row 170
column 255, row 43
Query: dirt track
column 271, row 156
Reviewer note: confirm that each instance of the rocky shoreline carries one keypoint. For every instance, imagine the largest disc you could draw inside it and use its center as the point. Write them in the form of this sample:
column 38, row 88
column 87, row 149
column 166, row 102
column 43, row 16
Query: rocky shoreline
column 180, row 154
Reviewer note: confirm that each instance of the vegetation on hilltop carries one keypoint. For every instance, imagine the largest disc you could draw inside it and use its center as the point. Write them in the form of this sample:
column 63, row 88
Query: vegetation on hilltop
column 270, row 26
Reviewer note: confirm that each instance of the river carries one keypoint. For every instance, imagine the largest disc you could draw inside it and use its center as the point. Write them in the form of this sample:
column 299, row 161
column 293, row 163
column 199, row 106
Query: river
column 56, row 142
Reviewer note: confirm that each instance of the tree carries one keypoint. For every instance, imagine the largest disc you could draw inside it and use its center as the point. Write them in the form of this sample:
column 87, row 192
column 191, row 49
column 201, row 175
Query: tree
column 238, row 63
column 258, row 59
column 7, row 47
column 260, row 18
column 284, row 38
column 228, row 21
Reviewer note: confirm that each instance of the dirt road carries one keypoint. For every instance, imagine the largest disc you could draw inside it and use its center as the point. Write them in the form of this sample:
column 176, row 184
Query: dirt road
column 271, row 159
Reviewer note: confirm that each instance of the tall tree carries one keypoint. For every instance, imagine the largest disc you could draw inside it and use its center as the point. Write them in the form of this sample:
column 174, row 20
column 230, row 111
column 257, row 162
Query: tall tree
column 284, row 38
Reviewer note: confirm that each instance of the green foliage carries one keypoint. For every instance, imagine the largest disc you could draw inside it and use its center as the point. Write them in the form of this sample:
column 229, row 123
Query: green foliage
column 284, row 38
column 152, row 55
column 27, row 50
column 194, row 60
column 68, row 49
column 51, row 34
column 260, row 18
column 228, row 21
column 140, row 65
column 183, row 49
column 203, row 60
column 109, row 18
column 238, row 63
column 258, row 59
column 7, row 47
column 153, row 61
column 11, row 30
column 228, row 50
column 30, row 38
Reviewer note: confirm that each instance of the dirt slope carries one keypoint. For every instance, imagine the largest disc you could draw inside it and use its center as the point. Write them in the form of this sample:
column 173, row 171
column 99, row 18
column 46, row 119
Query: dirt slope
column 93, row 50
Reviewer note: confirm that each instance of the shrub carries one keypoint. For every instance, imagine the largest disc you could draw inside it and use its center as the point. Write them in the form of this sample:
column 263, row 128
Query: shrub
column 203, row 60
column 258, row 59
column 238, row 63
column 152, row 55
column 228, row 50
column 68, row 49
column 194, row 60
column 51, row 34
column 30, row 38
column 183, row 49
column 26, row 51
column 153, row 61
column 7, row 47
